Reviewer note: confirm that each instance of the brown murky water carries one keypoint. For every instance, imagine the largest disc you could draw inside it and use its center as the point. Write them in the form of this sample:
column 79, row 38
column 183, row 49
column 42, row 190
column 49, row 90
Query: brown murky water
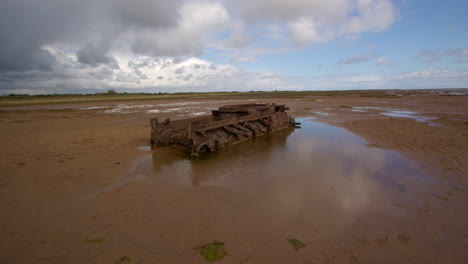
column 347, row 201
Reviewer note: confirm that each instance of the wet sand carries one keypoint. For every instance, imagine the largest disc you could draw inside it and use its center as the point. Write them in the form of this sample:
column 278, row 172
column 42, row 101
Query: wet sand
column 78, row 185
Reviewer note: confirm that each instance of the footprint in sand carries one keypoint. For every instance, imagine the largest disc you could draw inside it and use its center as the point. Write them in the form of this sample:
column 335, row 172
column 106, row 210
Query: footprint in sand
column 383, row 241
column 363, row 241
column 404, row 238
column 352, row 258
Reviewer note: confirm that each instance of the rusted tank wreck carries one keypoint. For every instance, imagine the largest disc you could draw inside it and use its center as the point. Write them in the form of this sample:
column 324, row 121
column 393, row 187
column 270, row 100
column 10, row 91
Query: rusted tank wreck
column 228, row 125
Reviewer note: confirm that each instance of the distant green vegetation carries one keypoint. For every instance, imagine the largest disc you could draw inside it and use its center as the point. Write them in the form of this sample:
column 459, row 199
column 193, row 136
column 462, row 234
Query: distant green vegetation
column 113, row 96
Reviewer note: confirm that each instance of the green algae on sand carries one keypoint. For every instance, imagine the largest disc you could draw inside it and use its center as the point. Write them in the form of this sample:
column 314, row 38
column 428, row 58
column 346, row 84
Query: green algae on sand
column 212, row 251
column 296, row 244
column 123, row 259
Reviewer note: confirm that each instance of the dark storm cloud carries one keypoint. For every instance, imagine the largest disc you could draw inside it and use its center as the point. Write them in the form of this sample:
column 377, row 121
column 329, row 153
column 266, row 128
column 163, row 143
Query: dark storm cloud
column 95, row 55
column 27, row 27
column 151, row 14
column 29, row 58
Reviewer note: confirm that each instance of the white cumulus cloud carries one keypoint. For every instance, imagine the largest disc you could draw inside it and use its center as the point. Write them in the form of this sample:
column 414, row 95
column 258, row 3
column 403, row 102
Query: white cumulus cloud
column 81, row 45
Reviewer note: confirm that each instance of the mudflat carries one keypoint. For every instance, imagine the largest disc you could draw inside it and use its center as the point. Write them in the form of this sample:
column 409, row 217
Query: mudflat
column 366, row 180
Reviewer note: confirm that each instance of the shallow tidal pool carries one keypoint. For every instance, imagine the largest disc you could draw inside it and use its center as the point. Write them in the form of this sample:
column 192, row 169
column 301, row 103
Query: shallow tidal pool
column 316, row 156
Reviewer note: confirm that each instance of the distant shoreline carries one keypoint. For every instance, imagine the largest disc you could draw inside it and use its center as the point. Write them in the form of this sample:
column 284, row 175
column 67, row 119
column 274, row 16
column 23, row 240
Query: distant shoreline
column 13, row 100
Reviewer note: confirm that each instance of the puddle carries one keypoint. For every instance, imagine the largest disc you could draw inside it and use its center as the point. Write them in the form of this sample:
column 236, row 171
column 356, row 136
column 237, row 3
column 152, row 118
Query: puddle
column 316, row 159
column 410, row 114
column 124, row 108
column 161, row 108
column 399, row 113
column 365, row 108
column 320, row 113
column 196, row 113
column 144, row 148
column 93, row 108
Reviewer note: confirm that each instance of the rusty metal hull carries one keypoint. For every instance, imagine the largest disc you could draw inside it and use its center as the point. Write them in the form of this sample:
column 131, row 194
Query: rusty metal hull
column 226, row 126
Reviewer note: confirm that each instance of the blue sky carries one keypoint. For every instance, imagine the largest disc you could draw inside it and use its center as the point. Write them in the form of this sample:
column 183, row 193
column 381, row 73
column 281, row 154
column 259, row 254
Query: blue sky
column 226, row 45
column 421, row 25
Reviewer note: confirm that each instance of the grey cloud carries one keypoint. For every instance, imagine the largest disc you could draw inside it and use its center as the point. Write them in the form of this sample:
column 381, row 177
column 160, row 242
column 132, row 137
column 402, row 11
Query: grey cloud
column 150, row 14
column 179, row 70
column 102, row 73
column 240, row 58
column 184, row 77
column 187, row 77
column 177, row 60
column 384, row 61
column 459, row 55
column 165, row 64
column 27, row 26
column 95, row 55
column 136, row 69
column 152, row 44
column 430, row 55
column 285, row 10
column 140, row 74
column 160, row 77
column 359, row 59
column 147, row 62
column 33, row 58
column 125, row 77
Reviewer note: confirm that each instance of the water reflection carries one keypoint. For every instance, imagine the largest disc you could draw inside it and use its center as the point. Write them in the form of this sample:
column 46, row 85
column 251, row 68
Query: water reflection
column 223, row 167
column 318, row 154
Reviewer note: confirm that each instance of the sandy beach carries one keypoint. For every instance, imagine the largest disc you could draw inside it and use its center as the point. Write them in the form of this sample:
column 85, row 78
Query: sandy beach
column 72, row 189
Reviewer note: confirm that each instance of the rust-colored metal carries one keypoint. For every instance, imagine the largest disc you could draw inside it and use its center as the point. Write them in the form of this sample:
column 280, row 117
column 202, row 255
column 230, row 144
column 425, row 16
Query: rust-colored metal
column 228, row 125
